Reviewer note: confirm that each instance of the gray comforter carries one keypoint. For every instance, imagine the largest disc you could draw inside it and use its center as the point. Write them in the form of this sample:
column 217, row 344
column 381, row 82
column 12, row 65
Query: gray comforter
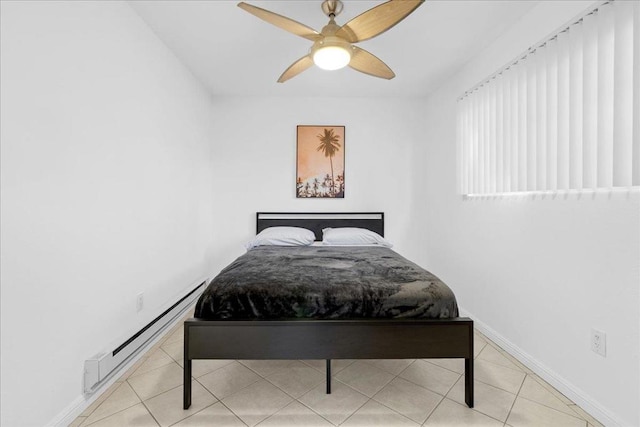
column 325, row 282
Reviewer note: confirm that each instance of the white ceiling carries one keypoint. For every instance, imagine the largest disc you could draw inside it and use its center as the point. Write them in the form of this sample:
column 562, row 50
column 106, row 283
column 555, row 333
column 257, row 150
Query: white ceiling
column 236, row 54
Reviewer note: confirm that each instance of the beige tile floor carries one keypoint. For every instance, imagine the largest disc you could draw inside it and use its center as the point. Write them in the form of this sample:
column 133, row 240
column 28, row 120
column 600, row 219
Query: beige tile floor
column 367, row 393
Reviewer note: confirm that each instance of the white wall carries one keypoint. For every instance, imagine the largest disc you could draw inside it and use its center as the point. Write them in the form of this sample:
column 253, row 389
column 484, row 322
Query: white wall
column 539, row 271
column 255, row 163
column 106, row 192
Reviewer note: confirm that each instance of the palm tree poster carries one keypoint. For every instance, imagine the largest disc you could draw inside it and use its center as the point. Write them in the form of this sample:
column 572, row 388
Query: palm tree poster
column 320, row 165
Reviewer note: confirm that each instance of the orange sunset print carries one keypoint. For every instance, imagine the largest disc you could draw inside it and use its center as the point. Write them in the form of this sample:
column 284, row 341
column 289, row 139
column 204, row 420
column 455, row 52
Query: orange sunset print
column 320, row 167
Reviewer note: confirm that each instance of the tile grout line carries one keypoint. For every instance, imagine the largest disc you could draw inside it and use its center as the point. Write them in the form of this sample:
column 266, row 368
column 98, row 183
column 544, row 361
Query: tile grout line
column 152, row 416
column 181, row 385
column 557, row 410
column 550, row 392
column 428, row 415
column 589, row 423
column 237, row 391
column 312, row 410
column 152, row 370
column 264, row 377
column 448, row 390
column 435, row 364
column 145, row 406
column 277, row 410
column 409, row 365
column 514, row 400
column 100, row 404
column 133, row 374
column 168, row 355
column 356, row 390
column 515, row 361
column 502, row 366
column 476, row 410
column 346, row 385
column 495, row 386
column 212, row 393
column 546, row 385
column 545, row 405
column 336, row 379
column 485, row 383
column 312, row 367
column 393, row 410
column 434, row 410
column 121, row 410
column 289, row 394
column 296, row 401
column 220, row 400
column 271, row 416
column 179, row 421
column 388, row 372
column 117, row 412
column 236, row 415
column 357, row 409
column 158, row 394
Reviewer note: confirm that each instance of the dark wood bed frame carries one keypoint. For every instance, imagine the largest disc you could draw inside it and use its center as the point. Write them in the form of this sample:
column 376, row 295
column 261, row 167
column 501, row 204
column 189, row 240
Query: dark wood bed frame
column 328, row 339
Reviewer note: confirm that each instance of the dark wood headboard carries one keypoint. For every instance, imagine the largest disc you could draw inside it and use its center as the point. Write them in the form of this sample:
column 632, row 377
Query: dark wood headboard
column 316, row 221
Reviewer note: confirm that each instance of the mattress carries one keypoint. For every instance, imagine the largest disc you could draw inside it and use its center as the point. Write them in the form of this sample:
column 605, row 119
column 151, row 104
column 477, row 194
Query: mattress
column 324, row 282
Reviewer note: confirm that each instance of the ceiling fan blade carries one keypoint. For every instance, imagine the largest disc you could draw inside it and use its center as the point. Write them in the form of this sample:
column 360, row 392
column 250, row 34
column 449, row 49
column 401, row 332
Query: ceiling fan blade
column 377, row 20
column 280, row 21
column 367, row 63
column 296, row 68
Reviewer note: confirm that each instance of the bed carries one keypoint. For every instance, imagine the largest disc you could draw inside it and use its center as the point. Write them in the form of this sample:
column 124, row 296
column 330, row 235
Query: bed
column 266, row 327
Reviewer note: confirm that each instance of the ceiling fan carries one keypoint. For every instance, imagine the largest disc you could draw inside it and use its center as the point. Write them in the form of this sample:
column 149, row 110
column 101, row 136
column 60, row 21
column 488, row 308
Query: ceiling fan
column 333, row 47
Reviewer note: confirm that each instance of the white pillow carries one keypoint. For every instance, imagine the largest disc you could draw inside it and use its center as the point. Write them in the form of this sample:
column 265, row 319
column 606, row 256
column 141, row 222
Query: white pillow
column 349, row 236
column 283, row 236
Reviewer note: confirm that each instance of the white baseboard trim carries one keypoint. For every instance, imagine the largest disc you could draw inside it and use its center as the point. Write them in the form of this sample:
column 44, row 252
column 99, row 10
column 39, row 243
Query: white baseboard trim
column 578, row 396
column 82, row 402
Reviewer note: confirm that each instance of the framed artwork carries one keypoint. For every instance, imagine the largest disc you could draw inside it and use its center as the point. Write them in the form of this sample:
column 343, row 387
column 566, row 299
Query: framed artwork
column 320, row 162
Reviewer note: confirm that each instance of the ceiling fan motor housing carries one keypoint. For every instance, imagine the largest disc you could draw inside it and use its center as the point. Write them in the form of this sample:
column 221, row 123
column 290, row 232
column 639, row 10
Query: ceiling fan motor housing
column 332, row 8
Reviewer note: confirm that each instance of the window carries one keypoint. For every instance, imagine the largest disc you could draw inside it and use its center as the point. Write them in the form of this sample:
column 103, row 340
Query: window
column 564, row 116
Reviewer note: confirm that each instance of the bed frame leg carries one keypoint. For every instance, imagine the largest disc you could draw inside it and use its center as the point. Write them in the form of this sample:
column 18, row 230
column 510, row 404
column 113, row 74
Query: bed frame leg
column 328, row 376
column 468, row 382
column 186, row 386
column 468, row 372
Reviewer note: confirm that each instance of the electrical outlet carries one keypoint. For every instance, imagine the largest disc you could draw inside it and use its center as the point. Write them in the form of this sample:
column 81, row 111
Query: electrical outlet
column 599, row 342
column 139, row 302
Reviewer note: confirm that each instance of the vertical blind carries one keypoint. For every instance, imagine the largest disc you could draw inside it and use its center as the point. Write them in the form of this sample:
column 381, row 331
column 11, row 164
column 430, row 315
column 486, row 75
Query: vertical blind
column 564, row 116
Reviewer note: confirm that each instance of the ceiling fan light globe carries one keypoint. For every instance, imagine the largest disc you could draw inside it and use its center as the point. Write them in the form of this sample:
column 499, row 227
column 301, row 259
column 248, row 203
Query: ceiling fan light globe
column 331, row 57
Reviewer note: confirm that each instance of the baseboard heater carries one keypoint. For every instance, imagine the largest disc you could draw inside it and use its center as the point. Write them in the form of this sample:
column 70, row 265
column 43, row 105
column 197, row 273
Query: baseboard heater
column 101, row 367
